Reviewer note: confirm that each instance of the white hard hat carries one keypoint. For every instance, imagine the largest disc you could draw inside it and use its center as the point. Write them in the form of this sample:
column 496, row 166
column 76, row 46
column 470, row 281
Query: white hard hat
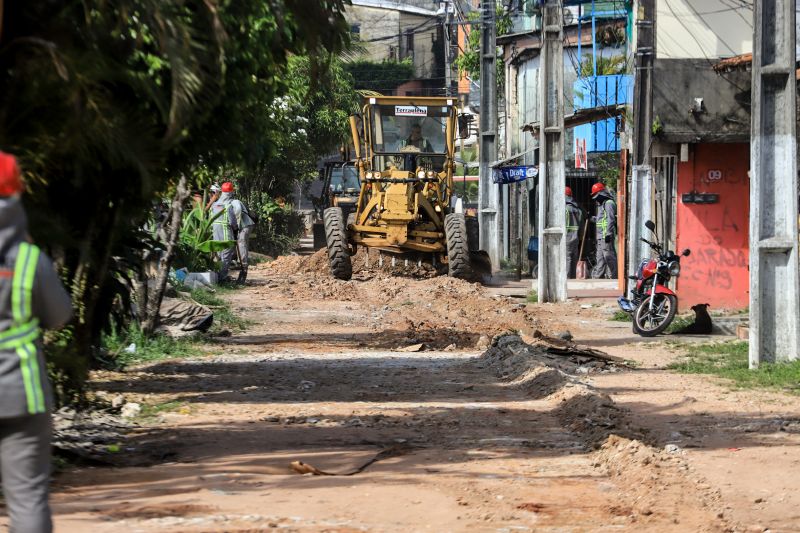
column 216, row 188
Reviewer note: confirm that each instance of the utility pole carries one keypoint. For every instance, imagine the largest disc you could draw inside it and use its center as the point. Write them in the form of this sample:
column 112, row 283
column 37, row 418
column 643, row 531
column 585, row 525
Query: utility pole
column 641, row 183
column 552, row 204
column 643, row 81
column 488, row 192
column 448, row 81
column 774, row 280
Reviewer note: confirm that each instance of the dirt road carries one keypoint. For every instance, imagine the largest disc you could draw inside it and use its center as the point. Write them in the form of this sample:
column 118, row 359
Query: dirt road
column 459, row 436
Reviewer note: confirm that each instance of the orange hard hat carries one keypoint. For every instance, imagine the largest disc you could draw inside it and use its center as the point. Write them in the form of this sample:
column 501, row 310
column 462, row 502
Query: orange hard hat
column 597, row 187
column 10, row 180
column 227, row 187
column 568, row 191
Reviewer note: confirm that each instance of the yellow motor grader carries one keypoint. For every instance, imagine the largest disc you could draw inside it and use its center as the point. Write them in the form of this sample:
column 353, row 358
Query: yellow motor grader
column 404, row 154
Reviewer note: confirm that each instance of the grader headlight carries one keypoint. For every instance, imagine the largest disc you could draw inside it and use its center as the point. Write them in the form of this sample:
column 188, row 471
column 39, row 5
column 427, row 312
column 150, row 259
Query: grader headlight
column 430, row 173
column 421, row 174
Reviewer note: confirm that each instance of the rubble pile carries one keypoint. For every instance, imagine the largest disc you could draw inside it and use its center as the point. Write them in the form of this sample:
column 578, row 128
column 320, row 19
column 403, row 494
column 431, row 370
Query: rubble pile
column 540, row 374
column 511, row 357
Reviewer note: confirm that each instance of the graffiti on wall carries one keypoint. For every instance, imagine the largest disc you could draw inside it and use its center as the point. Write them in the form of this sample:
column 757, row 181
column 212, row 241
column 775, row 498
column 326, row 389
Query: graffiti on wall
column 717, row 271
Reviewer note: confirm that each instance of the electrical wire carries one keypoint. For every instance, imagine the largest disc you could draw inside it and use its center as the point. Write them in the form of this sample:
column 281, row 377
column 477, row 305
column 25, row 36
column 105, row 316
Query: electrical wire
column 702, row 50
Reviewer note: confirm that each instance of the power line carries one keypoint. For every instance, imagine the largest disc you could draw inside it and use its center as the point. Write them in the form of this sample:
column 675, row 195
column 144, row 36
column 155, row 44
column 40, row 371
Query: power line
column 702, row 50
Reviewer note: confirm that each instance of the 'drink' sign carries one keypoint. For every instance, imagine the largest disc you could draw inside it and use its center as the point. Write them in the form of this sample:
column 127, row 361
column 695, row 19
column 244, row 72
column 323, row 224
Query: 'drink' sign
column 410, row 111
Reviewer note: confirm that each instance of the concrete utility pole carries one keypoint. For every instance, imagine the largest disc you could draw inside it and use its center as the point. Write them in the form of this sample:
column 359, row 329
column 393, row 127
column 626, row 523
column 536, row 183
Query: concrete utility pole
column 552, row 208
column 640, row 210
column 774, row 280
column 640, row 196
column 489, row 192
column 446, row 38
column 643, row 82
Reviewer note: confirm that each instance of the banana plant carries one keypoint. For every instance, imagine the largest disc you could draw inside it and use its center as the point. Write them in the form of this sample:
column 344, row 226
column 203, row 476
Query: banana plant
column 197, row 241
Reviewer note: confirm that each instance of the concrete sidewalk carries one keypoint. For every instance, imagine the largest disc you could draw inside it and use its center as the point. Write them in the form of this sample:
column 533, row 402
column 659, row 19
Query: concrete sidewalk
column 580, row 289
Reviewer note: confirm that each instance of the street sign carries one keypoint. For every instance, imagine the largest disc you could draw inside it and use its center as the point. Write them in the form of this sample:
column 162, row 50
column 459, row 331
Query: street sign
column 514, row 174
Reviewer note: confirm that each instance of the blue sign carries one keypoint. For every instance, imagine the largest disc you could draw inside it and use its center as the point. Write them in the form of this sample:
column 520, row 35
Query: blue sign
column 514, row 174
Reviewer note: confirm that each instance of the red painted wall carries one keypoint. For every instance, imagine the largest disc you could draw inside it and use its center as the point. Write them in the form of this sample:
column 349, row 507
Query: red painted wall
column 717, row 272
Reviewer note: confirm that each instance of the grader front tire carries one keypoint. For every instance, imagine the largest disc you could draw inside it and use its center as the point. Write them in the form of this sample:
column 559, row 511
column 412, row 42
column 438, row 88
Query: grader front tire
column 458, row 264
column 336, row 239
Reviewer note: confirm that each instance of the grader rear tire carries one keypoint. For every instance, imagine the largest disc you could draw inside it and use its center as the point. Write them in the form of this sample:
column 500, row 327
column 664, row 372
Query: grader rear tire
column 336, row 239
column 458, row 264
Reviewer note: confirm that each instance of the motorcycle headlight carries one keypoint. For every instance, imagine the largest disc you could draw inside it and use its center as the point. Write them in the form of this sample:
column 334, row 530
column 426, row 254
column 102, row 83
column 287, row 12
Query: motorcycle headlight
column 421, row 174
column 674, row 268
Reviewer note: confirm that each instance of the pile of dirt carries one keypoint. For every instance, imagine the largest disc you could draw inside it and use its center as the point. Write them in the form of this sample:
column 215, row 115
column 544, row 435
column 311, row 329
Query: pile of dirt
column 438, row 311
column 544, row 370
column 294, row 264
column 540, row 374
column 592, row 415
column 653, row 477
column 366, row 264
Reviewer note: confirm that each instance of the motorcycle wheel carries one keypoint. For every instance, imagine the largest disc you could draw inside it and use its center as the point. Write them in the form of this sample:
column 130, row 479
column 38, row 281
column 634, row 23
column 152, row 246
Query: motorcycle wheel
column 635, row 328
column 652, row 323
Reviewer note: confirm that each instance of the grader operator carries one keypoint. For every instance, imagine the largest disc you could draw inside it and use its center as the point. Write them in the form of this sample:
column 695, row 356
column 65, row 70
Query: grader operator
column 404, row 153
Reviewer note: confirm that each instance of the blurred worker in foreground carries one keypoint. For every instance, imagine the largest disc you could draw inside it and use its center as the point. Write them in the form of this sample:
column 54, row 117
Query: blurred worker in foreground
column 241, row 224
column 32, row 298
column 606, row 232
column 574, row 222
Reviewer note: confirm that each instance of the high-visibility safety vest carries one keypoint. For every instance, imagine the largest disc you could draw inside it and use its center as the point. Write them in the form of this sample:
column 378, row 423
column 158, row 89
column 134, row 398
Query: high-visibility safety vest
column 225, row 223
column 602, row 221
column 24, row 331
column 572, row 225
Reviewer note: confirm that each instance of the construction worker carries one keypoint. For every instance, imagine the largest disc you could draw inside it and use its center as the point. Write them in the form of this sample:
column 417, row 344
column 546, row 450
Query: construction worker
column 224, row 228
column 606, row 233
column 31, row 298
column 574, row 223
column 245, row 222
column 242, row 225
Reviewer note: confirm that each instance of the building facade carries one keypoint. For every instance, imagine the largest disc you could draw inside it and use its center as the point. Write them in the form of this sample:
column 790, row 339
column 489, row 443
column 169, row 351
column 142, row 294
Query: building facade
column 700, row 152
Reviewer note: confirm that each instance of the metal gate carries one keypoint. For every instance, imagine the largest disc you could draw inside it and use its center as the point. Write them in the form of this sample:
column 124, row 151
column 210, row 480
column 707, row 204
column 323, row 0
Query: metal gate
column 665, row 177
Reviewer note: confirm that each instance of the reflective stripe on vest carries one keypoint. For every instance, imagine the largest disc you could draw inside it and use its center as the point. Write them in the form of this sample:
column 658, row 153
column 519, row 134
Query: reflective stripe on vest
column 603, row 222
column 571, row 228
column 25, row 329
column 225, row 223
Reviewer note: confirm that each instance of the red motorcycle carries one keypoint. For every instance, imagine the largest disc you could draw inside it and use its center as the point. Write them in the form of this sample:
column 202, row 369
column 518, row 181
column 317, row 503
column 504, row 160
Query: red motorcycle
column 653, row 304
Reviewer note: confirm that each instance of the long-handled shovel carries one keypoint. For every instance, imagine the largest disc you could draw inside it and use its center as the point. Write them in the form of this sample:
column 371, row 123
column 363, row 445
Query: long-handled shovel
column 580, row 269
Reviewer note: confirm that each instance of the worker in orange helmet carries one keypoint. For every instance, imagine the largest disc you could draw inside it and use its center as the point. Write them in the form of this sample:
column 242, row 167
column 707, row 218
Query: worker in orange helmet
column 32, row 298
column 606, row 233
column 236, row 224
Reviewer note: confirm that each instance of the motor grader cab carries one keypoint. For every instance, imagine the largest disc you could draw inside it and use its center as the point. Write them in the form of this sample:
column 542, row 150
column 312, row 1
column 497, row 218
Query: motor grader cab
column 404, row 155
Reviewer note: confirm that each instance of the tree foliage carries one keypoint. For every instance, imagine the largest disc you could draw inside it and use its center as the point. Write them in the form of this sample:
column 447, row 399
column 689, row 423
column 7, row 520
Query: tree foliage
column 108, row 102
column 469, row 61
column 380, row 76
